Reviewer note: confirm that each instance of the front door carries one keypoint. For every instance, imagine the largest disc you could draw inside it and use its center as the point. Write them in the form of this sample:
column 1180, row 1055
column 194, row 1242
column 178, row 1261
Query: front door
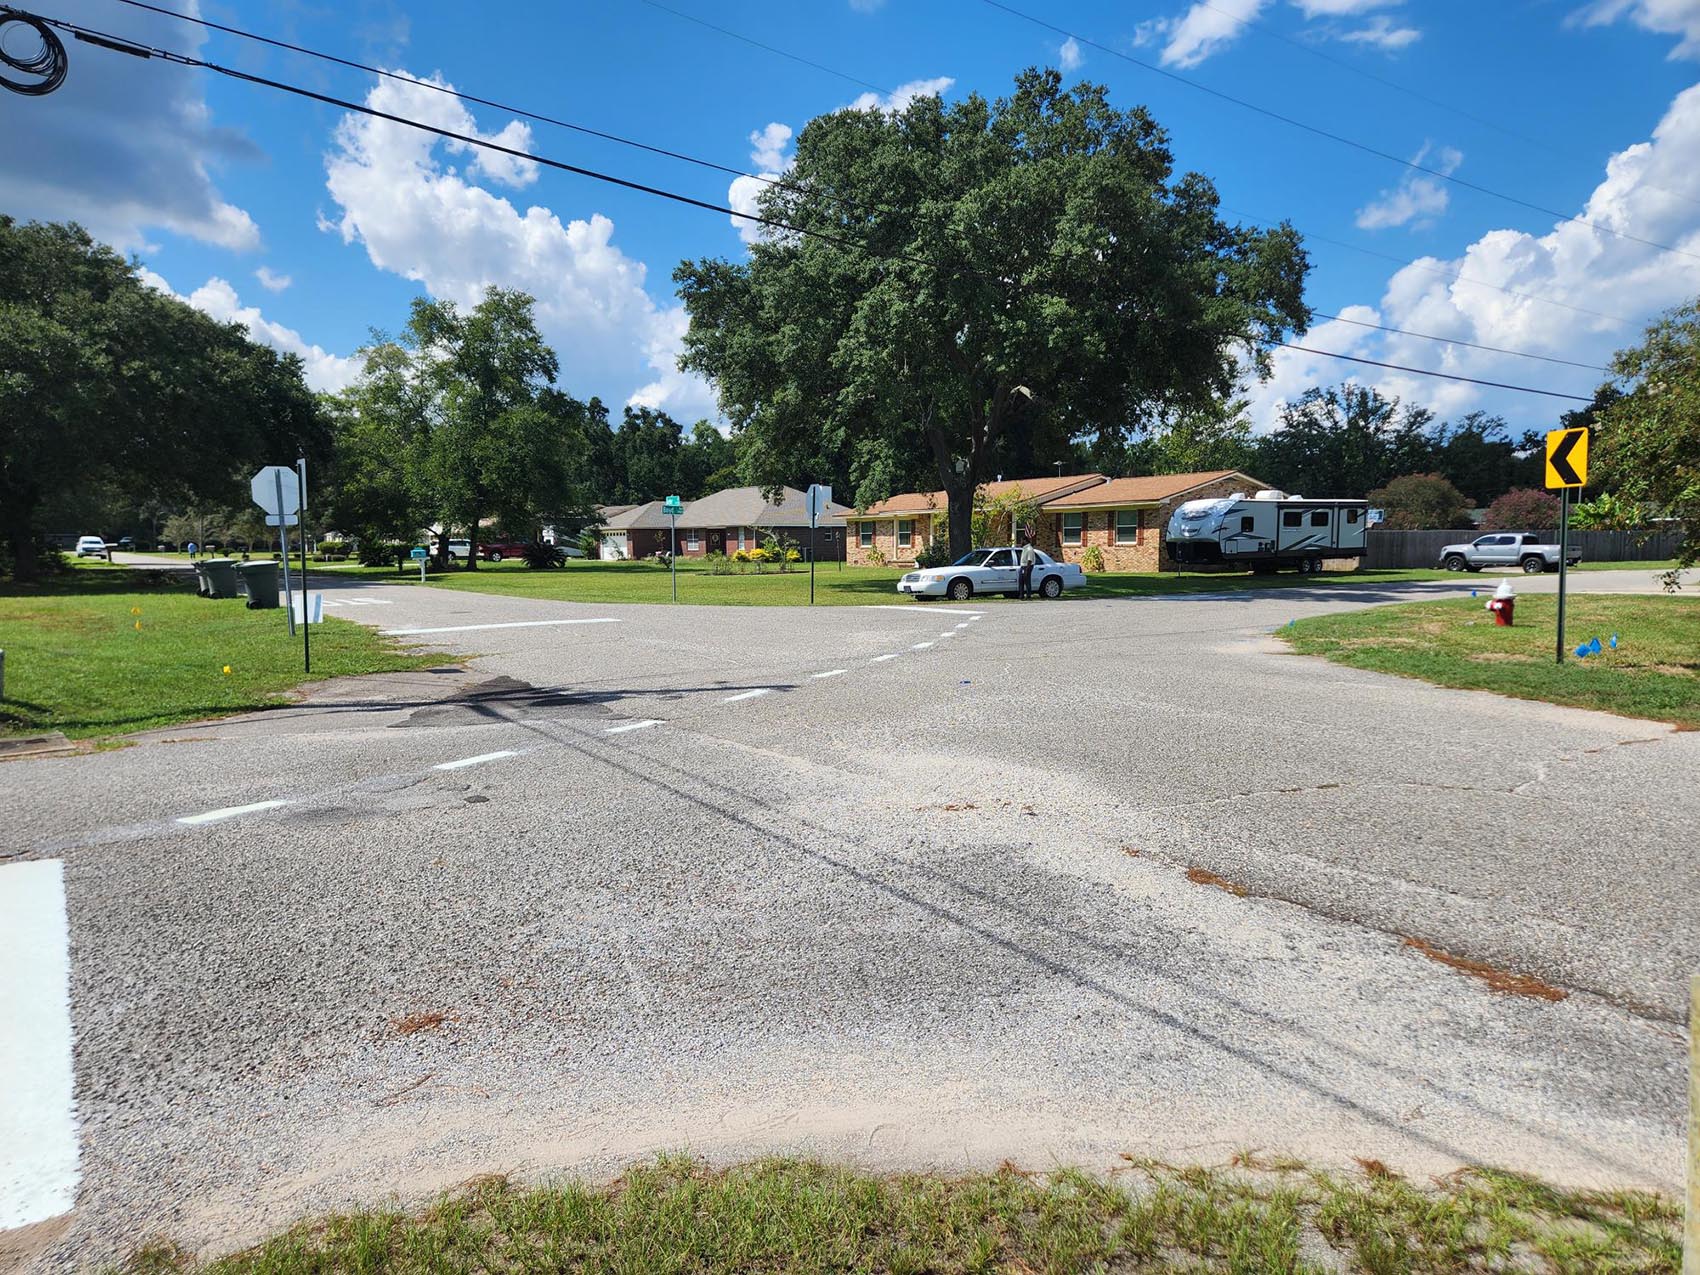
column 716, row 542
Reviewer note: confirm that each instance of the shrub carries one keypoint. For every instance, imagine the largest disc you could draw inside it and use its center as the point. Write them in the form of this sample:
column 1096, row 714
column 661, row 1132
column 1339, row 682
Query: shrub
column 718, row 563
column 876, row 556
column 1421, row 502
column 793, row 555
column 381, row 553
column 936, row 554
column 537, row 554
column 1526, row 509
column 740, row 555
column 329, row 549
column 1092, row 559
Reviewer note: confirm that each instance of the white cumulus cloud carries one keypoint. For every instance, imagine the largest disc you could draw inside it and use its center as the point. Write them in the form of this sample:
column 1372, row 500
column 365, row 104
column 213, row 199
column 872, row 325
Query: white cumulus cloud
column 1418, row 198
column 1381, row 32
column 418, row 217
column 1599, row 291
column 271, row 280
column 1209, row 26
column 893, row 102
column 1205, row 28
column 1664, row 17
column 1069, row 56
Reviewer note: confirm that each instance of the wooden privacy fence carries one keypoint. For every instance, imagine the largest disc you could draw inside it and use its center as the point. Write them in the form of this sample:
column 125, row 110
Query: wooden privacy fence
column 1395, row 549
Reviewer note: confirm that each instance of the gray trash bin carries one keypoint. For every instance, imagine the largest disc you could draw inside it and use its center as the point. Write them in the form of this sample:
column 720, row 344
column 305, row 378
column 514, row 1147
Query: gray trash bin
column 220, row 577
column 260, row 579
column 200, row 579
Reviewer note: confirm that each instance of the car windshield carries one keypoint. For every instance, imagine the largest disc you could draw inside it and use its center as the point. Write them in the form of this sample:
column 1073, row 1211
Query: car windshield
column 972, row 559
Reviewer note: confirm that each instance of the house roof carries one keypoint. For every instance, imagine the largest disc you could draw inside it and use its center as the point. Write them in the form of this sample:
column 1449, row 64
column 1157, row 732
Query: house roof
column 746, row 507
column 1144, row 490
column 921, row 502
column 643, row 517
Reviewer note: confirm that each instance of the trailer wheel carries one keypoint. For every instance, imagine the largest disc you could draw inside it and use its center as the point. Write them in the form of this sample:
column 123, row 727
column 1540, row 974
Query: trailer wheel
column 1455, row 562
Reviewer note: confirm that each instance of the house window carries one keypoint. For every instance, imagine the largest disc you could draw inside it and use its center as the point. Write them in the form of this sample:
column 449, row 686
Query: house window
column 1319, row 517
column 865, row 534
column 1127, row 526
column 691, row 540
column 1071, row 525
column 743, row 542
column 905, row 532
column 1292, row 518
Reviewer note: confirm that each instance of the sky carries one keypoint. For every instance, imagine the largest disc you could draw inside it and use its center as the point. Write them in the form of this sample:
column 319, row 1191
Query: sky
column 315, row 227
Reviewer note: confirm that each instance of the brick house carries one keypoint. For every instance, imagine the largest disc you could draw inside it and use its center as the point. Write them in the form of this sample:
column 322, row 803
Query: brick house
column 1125, row 518
column 904, row 525
column 724, row 522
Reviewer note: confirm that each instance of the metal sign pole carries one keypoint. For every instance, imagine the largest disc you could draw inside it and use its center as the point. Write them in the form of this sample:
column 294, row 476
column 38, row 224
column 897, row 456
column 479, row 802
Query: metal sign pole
column 306, row 616
column 814, row 546
column 1563, row 562
column 283, row 543
column 673, row 558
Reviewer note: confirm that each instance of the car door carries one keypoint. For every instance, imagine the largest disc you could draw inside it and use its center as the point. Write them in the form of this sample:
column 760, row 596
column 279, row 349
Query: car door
column 999, row 573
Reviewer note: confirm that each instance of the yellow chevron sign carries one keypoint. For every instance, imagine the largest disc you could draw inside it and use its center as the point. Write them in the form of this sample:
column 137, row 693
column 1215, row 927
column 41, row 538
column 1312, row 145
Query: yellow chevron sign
column 1567, row 457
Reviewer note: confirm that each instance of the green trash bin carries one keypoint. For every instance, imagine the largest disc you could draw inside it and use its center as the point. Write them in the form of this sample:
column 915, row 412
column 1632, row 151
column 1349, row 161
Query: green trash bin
column 260, row 579
column 221, row 577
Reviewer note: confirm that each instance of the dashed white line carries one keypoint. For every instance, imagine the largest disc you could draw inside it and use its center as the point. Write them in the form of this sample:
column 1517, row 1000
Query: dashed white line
column 733, row 699
column 920, row 646
column 947, row 633
column 963, row 624
column 230, row 812
column 881, row 659
column 512, row 624
column 831, row 672
column 640, row 725
column 474, row 761
column 38, row 1122
column 920, row 608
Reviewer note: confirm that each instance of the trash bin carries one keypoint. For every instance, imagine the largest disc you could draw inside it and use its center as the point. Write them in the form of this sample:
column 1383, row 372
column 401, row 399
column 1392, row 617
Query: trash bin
column 200, row 579
column 220, row 575
column 260, row 579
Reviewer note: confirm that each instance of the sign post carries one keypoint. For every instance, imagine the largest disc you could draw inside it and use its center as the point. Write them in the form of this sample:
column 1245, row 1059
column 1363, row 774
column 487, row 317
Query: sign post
column 673, row 507
column 306, row 621
column 818, row 498
column 1567, row 471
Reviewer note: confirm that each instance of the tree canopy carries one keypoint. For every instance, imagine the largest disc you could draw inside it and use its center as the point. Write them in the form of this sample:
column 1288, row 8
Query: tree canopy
column 1421, row 502
column 1006, row 276
column 110, row 386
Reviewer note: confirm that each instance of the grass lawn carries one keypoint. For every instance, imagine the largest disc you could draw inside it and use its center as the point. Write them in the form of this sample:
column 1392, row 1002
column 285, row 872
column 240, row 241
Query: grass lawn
column 678, row 1215
column 75, row 661
column 1653, row 673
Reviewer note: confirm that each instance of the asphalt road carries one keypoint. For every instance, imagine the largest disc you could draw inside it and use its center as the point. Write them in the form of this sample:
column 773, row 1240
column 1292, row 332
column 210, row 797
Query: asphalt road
column 906, row 885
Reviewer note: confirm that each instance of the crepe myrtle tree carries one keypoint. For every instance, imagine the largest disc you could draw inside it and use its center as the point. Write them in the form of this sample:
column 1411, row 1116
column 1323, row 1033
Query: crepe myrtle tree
column 961, row 278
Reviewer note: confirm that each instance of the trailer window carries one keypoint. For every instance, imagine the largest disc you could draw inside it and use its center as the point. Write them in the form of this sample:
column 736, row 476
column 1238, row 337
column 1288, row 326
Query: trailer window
column 1248, row 524
column 1071, row 528
column 1292, row 518
column 1319, row 517
column 1352, row 515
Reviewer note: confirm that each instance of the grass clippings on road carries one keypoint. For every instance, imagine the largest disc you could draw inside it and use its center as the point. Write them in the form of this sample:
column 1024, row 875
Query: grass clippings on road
column 679, row 1215
column 1653, row 673
column 77, row 662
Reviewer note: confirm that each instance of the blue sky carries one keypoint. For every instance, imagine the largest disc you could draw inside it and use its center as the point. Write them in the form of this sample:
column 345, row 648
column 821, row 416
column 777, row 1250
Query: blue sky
column 314, row 228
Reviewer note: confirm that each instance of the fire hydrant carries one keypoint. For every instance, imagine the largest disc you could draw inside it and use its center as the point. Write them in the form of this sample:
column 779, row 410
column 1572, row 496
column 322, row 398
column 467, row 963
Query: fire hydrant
column 1502, row 604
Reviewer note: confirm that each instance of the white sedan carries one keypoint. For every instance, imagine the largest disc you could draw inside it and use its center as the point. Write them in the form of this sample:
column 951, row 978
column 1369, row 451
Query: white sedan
column 991, row 571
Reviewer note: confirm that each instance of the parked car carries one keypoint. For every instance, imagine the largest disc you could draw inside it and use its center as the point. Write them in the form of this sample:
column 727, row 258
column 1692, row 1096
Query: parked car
column 990, row 571
column 496, row 550
column 91, row 547
column 459, row 550
column 1506, row 549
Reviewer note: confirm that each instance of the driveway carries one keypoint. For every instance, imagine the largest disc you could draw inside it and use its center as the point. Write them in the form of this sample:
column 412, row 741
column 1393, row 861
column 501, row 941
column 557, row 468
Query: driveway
column 918, row 885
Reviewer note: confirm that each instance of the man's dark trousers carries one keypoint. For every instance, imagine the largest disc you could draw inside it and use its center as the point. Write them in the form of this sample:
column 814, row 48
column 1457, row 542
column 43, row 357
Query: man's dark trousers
column 1026, row 588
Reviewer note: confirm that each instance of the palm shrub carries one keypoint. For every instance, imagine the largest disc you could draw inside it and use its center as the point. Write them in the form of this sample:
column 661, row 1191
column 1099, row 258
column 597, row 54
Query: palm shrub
column 538, row 555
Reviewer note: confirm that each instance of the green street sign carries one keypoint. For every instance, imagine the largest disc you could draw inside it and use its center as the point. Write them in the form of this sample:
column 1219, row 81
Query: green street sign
column 673, row 506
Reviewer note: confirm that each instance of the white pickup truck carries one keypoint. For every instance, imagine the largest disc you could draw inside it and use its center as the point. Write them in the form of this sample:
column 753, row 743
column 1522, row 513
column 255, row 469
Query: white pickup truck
column 991, row 571
column 1506, row 549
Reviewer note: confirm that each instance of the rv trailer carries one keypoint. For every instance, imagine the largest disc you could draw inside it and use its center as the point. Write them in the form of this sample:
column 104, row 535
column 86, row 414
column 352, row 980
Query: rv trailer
column 1267, row 531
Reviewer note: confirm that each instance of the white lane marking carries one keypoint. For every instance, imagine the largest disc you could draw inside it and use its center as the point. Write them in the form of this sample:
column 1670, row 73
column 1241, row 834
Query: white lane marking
column 38, row 1117
column 733, row 699
column 881, row 659
column 512, row 624
column 474, row 761
column 962, row 624
column 920, row 646
column 946, row 633
column 919, row 609
column 639, row 725
column 230, row 812
column 831, row 672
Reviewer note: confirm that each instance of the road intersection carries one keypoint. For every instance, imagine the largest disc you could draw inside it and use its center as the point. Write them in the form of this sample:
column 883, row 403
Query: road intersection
column 915, row 885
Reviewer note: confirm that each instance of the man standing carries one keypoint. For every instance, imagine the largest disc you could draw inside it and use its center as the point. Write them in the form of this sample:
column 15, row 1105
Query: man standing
column 1029, row 560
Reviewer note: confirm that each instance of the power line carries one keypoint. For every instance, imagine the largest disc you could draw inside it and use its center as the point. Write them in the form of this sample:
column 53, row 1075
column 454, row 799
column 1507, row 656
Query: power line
column 540, row 118
column 1451, row 340
column 1418, row 371
column 133, row 48
column 777, row 52
column 1339, row 138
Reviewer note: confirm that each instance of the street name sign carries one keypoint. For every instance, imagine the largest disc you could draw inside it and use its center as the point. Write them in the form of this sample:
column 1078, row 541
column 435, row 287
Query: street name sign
column 673, row 506
column 1567, row 458
column 818, row 497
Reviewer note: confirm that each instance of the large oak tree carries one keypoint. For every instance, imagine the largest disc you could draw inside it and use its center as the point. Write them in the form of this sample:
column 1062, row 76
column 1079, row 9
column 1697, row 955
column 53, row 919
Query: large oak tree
column 980, row 274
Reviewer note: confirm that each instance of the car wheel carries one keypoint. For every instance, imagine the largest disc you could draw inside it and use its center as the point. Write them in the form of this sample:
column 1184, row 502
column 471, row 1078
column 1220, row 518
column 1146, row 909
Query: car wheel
column 960, row 590
column 495, row 555
column 1051, row 588
column 1455, row 562
column 1533, row 565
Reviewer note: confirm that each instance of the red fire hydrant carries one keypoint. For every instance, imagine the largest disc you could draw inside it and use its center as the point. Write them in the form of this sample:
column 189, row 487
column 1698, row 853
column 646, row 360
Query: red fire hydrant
column 1503, row 604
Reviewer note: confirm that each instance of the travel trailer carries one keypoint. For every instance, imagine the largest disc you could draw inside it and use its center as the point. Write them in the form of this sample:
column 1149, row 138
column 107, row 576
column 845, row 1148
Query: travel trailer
column 1267, row 531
